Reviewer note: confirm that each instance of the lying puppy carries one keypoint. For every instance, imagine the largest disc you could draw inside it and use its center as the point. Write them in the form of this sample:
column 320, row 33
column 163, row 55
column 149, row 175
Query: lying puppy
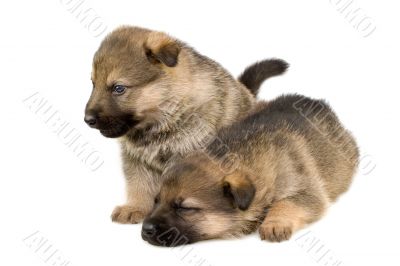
column 277, row 169
column 162, row 100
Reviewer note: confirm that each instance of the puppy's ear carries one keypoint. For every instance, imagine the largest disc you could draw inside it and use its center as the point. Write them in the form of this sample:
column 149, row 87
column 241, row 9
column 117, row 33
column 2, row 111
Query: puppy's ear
column 239, row 189
column 160, row 48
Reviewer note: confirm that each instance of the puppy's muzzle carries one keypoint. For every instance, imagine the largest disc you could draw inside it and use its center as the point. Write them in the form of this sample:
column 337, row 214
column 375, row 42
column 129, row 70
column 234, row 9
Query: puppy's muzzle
column 109, row 126
column 158, row 233
column 151, row 228
column 91, row 119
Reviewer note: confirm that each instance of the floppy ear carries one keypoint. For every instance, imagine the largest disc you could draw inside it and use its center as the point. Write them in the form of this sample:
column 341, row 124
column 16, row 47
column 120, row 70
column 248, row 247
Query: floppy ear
column 239, row 189
column 160, row 48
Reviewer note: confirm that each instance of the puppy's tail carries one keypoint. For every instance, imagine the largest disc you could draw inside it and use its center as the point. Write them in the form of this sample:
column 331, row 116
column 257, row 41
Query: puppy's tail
column 254, row 75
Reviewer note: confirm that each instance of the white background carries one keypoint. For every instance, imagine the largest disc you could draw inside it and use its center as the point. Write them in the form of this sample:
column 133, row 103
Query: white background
column 48, row 194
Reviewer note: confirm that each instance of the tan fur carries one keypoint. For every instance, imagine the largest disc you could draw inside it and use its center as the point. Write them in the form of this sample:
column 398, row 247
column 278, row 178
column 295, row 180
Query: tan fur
column 290, row 166
column 284, row 217
column 184, row 104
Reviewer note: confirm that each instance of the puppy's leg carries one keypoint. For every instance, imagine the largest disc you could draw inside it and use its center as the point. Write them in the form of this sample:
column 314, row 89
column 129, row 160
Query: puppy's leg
column 141, row 190
column 288, row 215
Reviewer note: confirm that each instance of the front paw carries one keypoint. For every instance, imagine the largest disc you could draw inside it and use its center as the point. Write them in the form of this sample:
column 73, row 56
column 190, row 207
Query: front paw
column 275, row 231
column 126, row 214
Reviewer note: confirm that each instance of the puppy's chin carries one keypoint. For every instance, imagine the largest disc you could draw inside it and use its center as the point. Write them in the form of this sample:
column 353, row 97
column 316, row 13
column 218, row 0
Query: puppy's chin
column 170, row 237
column 113, row 133
column 117, row 130
column 168, row 241
column 137, row 129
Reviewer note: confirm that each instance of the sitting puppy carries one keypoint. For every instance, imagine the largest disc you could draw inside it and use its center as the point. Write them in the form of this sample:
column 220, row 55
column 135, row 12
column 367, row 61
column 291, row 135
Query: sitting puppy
column 162, row 100
column 277, row 169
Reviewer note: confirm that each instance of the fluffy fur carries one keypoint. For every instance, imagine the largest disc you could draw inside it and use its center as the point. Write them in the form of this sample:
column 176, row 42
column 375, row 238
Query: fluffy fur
column 277, row 169
column 163, row 100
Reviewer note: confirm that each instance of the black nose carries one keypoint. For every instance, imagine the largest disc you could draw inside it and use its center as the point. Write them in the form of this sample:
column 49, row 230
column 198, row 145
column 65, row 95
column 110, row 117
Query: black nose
column 90, row 119
column 149, row 229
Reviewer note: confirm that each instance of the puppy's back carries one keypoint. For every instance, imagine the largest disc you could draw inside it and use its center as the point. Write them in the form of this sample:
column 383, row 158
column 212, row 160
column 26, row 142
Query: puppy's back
column 332, row 148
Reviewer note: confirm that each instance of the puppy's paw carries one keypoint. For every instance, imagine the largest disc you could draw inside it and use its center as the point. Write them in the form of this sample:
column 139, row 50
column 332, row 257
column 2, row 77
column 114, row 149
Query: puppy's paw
column 275, row 231
column 126, row 214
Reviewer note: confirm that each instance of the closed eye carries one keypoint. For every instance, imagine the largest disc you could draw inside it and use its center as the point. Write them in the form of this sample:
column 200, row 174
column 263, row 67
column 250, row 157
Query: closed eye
column 183, row 208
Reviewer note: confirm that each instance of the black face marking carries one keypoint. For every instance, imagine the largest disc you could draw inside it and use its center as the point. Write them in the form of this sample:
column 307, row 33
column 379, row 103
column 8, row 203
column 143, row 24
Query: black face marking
column 166, row 226
column 110, row 120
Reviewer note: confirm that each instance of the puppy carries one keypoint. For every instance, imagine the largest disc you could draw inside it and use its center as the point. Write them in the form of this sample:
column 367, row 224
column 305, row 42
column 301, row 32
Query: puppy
column 162, row 100
column 277, row 169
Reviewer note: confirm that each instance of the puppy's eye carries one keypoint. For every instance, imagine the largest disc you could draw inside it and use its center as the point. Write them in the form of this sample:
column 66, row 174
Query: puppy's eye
column 156, row 200
column 118, row 89
column 187, row 209
column 180, row 208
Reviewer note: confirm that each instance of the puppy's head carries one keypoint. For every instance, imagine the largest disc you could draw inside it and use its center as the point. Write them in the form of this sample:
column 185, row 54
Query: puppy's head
column 197, row 203
column 132, row 72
